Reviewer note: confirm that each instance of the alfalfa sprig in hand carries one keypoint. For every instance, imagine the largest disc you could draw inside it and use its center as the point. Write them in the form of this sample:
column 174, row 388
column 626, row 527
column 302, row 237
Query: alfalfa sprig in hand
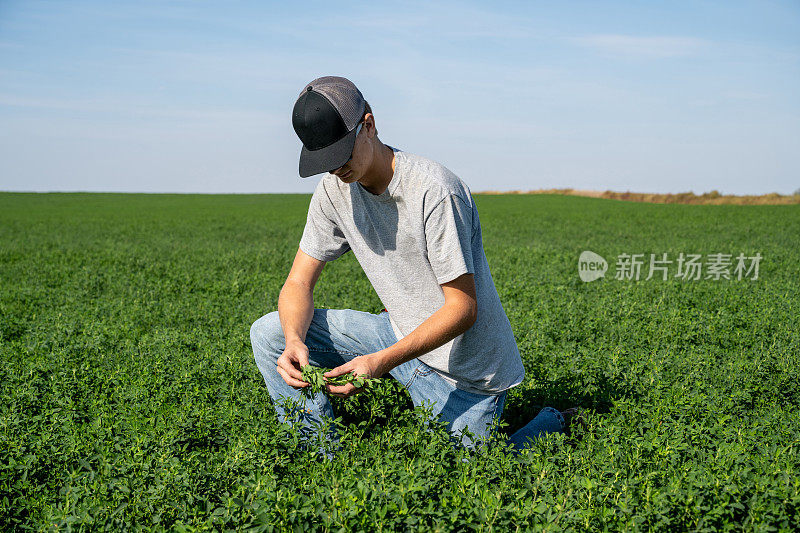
column 314, row 376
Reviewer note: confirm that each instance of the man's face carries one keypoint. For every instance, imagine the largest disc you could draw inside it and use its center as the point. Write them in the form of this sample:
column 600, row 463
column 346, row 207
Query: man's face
column 354, row 169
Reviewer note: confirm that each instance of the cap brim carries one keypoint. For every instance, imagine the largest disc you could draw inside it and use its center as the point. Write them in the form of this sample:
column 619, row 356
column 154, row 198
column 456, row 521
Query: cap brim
column 328, row 158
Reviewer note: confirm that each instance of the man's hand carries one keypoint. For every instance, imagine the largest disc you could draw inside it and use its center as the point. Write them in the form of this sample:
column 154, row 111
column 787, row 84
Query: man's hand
column 365, row 364
column 293, row 358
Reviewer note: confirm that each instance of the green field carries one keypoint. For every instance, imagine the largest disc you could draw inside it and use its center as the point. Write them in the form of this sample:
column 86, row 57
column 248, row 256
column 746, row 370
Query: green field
column 130, row 397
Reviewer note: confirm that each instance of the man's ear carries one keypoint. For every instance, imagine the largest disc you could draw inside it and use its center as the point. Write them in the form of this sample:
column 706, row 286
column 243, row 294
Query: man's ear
column 368, row 118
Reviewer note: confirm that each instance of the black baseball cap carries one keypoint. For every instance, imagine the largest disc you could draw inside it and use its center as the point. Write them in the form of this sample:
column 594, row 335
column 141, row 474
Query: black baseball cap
column 325, row 117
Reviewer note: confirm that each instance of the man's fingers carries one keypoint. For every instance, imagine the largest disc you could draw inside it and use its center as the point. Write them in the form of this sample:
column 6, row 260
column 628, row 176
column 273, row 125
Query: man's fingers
column 293, row 373
column 338, row 371
column 290, row 369
column 350, row 391
column 290, row 380
column 297, row 359
column 341, row 390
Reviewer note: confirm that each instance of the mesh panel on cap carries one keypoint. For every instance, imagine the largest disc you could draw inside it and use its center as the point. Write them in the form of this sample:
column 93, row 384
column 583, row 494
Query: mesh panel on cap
column 344, row 96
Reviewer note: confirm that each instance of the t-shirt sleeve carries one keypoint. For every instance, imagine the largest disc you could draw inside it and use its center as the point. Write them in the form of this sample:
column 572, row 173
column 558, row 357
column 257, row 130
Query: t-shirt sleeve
column 448, row 236
column 322, row 238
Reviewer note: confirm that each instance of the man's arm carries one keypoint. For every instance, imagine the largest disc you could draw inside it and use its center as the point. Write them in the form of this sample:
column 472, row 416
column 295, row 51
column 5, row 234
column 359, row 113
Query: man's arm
column 296, row 310
column 456, row 316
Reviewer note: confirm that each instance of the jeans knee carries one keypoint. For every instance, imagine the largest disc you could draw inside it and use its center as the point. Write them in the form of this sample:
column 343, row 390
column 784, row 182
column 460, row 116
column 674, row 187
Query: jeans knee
column 267, row 332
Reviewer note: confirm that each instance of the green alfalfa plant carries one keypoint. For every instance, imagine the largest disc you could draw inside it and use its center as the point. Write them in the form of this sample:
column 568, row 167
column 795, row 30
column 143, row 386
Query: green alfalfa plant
column 317, row 381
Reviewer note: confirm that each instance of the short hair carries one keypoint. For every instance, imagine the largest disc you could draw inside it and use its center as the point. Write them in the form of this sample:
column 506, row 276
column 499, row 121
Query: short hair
column 367, row 109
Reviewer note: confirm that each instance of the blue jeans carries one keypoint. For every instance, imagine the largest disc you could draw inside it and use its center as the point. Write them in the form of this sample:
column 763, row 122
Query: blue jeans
column 335, row 336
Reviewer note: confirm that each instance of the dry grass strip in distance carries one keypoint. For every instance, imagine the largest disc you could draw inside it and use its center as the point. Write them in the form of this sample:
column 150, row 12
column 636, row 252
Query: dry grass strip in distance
column 709, row 198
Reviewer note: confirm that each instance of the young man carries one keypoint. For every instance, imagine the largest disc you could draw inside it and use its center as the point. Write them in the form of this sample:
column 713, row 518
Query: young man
column 415, row 231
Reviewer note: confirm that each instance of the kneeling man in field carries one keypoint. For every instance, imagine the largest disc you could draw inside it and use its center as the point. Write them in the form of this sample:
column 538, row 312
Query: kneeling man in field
column 414, row 229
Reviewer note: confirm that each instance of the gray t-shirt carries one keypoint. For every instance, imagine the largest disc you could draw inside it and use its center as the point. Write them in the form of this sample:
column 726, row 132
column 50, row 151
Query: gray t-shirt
column 422, row 231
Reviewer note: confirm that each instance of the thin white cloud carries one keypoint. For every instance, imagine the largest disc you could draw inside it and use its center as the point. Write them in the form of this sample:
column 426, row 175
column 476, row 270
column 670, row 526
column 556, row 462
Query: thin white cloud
column 654, row 47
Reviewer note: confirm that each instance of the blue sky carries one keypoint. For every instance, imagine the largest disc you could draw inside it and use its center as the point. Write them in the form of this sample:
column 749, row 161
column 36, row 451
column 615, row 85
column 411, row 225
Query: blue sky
column 197, row 96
